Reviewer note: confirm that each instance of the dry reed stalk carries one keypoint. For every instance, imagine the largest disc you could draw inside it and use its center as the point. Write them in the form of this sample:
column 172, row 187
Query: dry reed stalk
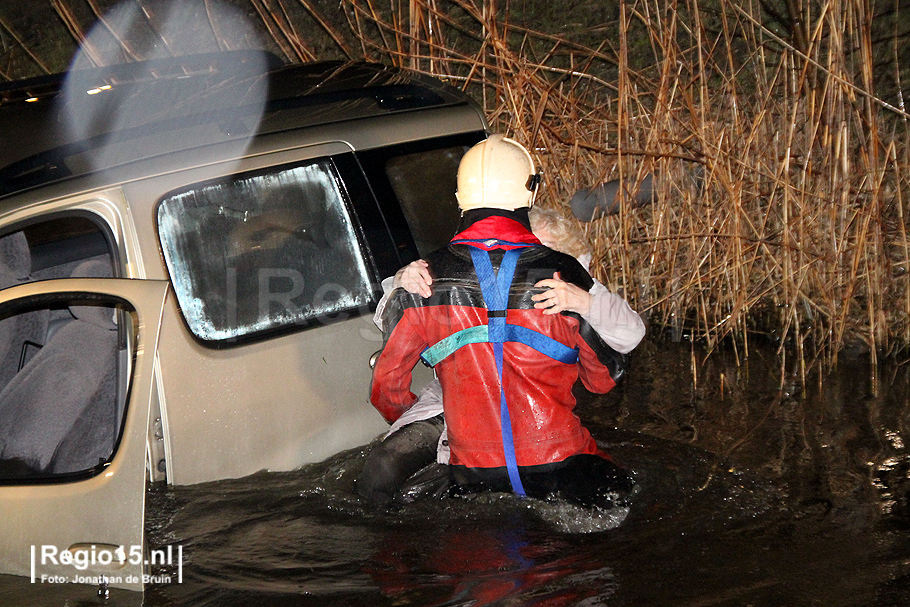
column 150, row 18
column 71, row 22
column 20, row 43
column 285, row 42
column 329, row 28
column 781, row 176
column 125, row 43
column 290, row 32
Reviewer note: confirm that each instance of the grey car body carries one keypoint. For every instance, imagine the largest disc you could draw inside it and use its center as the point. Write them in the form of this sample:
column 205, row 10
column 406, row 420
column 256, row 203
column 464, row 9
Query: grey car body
column 190, row 253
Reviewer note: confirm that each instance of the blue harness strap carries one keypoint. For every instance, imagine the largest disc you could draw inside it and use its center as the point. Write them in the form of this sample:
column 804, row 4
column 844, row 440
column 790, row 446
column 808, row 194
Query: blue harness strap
column 494, row 287
column 495, row 290
column 544, row 344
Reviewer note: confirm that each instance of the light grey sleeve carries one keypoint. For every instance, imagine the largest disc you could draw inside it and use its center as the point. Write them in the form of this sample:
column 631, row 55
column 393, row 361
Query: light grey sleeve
column 616, row 323
column 387, row 288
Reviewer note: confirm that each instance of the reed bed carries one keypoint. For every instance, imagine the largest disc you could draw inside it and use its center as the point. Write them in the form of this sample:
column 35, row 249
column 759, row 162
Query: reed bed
column 781, row 177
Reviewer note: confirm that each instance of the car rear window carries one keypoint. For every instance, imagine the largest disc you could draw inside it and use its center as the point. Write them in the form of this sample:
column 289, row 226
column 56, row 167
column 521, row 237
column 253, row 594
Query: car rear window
column 262, row 252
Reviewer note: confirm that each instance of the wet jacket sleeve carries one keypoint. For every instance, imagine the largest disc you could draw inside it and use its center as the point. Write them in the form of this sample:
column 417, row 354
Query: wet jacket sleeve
column 596, row 358
column 390, row 391
column 598, row 376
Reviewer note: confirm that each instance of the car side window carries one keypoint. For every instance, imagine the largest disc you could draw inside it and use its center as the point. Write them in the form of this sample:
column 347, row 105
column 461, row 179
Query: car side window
column 66, row 246
column 64, row 363
column 424, row 183
column 263, row 252
column 61, row 411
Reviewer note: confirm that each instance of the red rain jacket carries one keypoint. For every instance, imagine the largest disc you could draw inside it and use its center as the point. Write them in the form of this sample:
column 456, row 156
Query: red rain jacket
column 538, row 389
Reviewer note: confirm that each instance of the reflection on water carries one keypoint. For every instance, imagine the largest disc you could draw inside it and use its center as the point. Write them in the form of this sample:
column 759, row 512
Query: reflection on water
column 750, row 495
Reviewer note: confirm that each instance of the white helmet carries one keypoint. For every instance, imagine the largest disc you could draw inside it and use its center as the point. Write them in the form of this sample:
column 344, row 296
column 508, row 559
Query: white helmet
column 497, row 173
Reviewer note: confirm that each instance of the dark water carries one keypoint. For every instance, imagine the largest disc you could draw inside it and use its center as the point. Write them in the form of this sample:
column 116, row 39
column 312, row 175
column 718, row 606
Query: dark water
column 750, row 495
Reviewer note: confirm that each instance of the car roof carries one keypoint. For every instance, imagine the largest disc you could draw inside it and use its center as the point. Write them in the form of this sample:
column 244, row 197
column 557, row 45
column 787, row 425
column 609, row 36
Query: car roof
column 57, row 127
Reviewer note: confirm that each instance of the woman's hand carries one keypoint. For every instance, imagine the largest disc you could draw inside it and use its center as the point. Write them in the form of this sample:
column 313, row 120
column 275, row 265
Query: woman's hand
column 561, row 296
column 415, row 278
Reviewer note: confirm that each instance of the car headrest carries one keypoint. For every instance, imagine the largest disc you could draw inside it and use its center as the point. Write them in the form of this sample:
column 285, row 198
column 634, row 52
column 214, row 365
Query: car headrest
column 15, row 256
column 100, row 316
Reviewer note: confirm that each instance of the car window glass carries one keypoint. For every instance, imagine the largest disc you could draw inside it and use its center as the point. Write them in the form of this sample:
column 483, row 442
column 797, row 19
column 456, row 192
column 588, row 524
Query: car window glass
column 54, row 248
column 63, row 403
column 67, row 246
column 63, row 367
column 424, row 183
column 262, row 252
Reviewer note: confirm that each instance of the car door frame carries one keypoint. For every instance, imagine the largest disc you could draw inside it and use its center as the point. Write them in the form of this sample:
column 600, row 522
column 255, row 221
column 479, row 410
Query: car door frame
column 107, row 509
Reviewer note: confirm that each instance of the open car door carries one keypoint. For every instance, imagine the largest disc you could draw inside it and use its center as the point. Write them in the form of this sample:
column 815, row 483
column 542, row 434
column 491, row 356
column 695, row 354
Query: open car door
column 73, row 424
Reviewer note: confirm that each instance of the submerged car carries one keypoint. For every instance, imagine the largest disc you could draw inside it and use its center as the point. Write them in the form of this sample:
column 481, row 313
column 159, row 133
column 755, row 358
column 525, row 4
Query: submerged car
column 190, row 254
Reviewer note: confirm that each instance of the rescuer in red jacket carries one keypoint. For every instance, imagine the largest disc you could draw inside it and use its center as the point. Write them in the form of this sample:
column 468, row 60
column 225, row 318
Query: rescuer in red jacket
column 506, row 368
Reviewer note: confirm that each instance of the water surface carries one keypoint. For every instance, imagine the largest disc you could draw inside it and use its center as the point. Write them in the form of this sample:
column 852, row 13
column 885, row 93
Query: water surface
column 754, row 491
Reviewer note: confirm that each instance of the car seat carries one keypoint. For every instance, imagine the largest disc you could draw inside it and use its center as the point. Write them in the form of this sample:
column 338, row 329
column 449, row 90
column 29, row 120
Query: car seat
column 22, row 334
column 59, row 413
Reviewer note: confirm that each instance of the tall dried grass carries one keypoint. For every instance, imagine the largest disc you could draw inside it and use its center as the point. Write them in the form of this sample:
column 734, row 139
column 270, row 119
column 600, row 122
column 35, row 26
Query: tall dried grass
column 782, row 179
